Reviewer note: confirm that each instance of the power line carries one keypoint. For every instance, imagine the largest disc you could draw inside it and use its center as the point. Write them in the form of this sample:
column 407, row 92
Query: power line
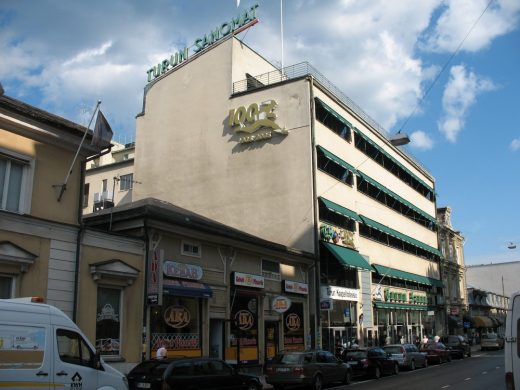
column 419, row 103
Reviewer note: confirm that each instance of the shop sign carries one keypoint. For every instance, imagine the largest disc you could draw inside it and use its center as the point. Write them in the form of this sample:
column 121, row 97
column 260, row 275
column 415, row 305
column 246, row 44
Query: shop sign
column 296, row 287
column 340, row 293
column 248, row 280
column 281, row 304
column 336, row 235
column 177, row 316
column 454, row 311
column 326, row 304
column 245, row 20
column 293, row 321
column 154, row 285
column 173, row 269
column 244, row 319
column 405, row 297
column 257, row 122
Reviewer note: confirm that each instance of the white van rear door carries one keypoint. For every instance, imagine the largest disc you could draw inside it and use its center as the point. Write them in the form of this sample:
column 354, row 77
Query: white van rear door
column 25, row 356
column 74, row 363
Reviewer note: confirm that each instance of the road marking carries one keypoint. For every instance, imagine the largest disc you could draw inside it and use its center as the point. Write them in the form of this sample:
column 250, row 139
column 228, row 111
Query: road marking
column 484, row 372
column 467, row 379
column 445, row 387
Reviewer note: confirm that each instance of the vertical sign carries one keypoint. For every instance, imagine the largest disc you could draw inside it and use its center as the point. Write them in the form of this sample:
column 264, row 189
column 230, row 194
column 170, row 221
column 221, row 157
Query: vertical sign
column 154, row 285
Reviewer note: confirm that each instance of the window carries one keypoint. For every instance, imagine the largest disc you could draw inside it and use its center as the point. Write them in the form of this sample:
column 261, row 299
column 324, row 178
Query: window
column 271, row 270
column 108, row 321
column 73, row 349
column 126, row 181
column 191, row 249
column 14, row 182
column 86, row 190
column 333, row 169
column 6, row 287
column 104, row 185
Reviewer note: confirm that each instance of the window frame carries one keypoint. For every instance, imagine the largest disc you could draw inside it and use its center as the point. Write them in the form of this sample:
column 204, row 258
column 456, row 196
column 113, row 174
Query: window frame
column 271, row 275
column 128, row 183
column 12, row 286
column 192, row 244
column 117, row 356
column 27, row 162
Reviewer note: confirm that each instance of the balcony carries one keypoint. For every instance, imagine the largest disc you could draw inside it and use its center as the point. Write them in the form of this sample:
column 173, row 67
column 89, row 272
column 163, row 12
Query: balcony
column 103, row 196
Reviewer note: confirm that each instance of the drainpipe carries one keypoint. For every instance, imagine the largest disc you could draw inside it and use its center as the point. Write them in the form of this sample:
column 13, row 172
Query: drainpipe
column 81, row 227
column 317, row 332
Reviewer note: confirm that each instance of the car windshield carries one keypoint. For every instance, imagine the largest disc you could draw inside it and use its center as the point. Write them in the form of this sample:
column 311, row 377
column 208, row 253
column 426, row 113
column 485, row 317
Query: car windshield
column 489, row 336
column 356, row 354
column 453, row 340
column 155, row 367
column 393, row 349
column 288, row 358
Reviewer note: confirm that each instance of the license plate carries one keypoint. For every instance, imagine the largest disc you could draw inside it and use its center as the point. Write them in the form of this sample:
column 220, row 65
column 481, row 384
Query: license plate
column 282, row 370
column 143, row 385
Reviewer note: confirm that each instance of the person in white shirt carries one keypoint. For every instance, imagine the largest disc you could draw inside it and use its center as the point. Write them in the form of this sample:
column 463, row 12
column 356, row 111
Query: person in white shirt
column 162, row 352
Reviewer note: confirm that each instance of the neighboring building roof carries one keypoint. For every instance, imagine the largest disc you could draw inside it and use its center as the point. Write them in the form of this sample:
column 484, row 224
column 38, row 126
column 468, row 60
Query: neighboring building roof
column 158, row 210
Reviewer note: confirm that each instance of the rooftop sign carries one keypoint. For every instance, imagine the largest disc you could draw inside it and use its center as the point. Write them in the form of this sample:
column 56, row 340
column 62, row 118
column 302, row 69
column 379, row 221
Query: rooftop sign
column 246, row 19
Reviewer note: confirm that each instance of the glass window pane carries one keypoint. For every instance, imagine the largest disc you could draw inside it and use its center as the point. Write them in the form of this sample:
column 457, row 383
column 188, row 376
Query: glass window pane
column 108, row 319
column 14, row 187
column 5, row 287
column 3, row 168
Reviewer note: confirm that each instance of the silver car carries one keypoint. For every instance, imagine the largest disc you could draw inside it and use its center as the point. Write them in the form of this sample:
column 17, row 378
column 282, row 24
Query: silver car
column 407, row 355
column 491, row 340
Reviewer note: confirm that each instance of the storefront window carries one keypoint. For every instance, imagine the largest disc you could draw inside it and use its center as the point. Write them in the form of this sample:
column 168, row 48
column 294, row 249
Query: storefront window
column 244, row 328
column 177, row 325
column 108, row 321
column 294, row 333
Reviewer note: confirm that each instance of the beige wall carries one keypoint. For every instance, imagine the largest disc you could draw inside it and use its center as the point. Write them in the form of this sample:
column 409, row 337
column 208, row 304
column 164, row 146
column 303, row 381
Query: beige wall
column 263, row 188
column 50, row 165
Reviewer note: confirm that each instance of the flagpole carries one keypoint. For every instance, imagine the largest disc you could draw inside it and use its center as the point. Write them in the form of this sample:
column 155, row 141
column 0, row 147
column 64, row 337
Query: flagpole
column 64, row 185
column 281, row 26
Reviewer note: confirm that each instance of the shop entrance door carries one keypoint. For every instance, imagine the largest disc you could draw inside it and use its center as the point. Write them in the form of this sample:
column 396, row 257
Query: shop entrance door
column 216, row 338
column 272, row 338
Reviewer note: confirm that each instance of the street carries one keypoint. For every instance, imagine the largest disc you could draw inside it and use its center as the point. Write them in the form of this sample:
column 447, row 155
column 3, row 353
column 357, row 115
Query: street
column 484, row 370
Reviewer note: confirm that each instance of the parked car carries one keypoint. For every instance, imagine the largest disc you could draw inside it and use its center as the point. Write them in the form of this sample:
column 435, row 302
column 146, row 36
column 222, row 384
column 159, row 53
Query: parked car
column 458, row 345
column 491, row 341
column 407, row 355
column 310, row 368
column 436, row 352
column 370, row 362
column 189, row 373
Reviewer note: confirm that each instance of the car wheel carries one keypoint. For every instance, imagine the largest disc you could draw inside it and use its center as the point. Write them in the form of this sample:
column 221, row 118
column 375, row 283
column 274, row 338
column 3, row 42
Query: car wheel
column 396, row 369
column 318, row 382
column 412, row 365
column 462, row 355
column 348, row 378
column 377, row 372
column 425, row 365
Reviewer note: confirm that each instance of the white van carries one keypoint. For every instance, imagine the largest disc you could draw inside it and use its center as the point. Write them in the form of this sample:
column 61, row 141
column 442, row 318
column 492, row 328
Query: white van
column 41, row 348
column 512, row 347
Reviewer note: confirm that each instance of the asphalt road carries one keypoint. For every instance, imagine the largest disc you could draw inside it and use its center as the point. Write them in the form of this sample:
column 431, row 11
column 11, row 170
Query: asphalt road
column 483, row 371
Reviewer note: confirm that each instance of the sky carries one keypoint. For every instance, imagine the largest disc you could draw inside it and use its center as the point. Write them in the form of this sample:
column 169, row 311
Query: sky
column 445, row 72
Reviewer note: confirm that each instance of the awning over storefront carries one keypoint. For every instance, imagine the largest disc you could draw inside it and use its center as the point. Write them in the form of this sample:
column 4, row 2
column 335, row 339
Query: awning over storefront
column 482, row 322
column 340, row 209
column 403, row 275
column 186, row 288
column 398, row 306
column 348, row 257
column 497, row 321
column 403, row 237
column 336, row 159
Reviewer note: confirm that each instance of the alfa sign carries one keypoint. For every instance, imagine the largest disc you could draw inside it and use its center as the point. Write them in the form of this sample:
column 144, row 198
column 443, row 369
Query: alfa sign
column 281, row 304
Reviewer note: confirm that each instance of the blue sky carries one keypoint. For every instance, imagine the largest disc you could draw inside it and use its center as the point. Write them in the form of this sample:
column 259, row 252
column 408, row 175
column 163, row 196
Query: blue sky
column 62, row 56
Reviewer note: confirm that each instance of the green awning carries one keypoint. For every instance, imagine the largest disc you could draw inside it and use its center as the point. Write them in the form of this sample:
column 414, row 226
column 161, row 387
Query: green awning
column 358, row 132
column 336, row 159
column 395, row 196
column 403, row 275
column 331, row 111
column 403, row 237
column 400, row 306
column 348, row 257
column 340, row 209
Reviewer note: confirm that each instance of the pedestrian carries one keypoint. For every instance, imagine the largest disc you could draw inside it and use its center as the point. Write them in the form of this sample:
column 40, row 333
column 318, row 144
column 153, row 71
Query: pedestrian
column 402, row 340
column 162, row 352
column 436, row 339
column 425, row 339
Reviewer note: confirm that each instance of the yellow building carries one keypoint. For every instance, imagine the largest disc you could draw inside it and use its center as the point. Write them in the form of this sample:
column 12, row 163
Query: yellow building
column 95, row 278
column 285, row 156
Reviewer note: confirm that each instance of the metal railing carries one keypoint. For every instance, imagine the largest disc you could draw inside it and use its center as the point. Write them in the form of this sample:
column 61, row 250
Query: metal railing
column 305, row 69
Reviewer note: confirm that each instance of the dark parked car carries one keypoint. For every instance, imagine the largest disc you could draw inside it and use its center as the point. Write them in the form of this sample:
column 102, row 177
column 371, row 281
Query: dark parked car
column 371, row 362
column 436, row 352
column 458, row 346
column 188, row 374
column 310, row 368
column 407, row 355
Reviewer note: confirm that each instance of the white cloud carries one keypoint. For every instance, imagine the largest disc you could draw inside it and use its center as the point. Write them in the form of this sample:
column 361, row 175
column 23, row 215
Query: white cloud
column 515, row 144
column 459, row 95
column 421, row 140
column 459, row 16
